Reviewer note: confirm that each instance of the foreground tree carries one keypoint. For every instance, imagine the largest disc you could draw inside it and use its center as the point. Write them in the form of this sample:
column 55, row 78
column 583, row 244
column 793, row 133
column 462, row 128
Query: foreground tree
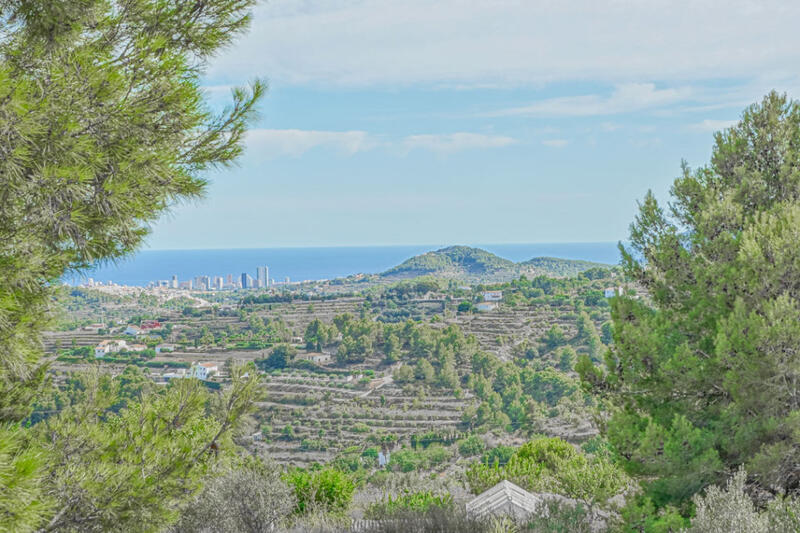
column 103, row 127
column 705, row 373
column 131, row 470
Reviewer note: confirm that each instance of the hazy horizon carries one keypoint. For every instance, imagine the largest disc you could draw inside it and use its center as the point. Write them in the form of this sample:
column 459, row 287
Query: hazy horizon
column 387, row 122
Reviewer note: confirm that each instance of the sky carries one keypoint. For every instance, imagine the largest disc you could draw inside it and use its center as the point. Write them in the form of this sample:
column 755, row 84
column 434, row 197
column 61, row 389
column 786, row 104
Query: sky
column 466, row 121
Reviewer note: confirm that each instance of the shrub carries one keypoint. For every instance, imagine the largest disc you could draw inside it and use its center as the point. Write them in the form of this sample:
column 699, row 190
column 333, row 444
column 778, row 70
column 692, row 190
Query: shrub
column 418, row 502
column 249, row 499
column 328, row 489
column 499, row 455
column 470, row 446
column 731, row 509
column 552, row 465
column 405, row 460
column 558, row 517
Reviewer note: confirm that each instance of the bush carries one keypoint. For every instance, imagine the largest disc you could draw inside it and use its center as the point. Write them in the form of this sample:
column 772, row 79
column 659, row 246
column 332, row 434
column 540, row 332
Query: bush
column 327, row 490
column 250, row 499
column 418, row 502
column 560, row 517
column 405, row 460
column 470, row 446
column 731, row 509
column 553, row 465
column 499, row 455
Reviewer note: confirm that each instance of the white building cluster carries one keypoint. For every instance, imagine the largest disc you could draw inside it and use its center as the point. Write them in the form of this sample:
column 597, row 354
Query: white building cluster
column 219, row 283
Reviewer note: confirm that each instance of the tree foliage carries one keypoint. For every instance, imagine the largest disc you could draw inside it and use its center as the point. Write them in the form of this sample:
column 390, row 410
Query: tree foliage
column 103, row 127
column 552, row 465
column 705, row 373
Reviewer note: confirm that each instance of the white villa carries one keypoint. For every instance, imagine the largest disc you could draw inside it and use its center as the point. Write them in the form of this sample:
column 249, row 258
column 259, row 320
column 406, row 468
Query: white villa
column 610, row 292
column 485, row 306
column 492, row 296
column 109, row 346
column 203, row 371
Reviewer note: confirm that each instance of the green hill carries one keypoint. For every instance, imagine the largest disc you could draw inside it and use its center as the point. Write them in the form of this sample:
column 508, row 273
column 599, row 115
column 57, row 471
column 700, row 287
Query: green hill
column 553, row 266
column 454, row 261
column 464, row 262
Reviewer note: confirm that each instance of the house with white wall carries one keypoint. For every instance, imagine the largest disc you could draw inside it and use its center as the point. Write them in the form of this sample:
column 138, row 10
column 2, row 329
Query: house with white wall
column 610, row 292
column 203, row 371
column 165, row 348
column 485, row 306
column 109, row 346
column 493, row 296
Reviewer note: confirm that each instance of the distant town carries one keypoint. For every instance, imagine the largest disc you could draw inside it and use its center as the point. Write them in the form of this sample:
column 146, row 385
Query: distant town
column 209, row 283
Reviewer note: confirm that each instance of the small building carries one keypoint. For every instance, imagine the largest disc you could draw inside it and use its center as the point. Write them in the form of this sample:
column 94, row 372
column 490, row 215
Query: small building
column 180, row 373
column 485, row 306
column 133, row 330
column 150, row 325
column 165, row 348
column 383, row 459
column 137, row 347
column 505, row 499
column 203, row 371
column 611, row 292
column 319, row 357
column 493, row 296
column 109, row 346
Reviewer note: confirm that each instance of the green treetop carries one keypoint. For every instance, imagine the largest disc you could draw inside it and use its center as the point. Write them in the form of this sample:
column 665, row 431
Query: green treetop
column 706, row 375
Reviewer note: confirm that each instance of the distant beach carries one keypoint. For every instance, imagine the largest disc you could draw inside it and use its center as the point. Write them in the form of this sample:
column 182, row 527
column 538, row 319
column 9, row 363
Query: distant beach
column 313, row 263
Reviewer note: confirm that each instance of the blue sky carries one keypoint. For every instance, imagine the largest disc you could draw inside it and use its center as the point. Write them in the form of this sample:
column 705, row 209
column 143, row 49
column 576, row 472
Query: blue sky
column 458, row 121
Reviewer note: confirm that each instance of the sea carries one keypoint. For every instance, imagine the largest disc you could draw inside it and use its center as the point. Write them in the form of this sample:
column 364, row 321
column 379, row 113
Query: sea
column 311, row 263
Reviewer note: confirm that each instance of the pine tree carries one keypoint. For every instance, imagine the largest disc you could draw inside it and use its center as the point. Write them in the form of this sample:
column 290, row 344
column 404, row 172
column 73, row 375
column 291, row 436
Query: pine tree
column 706, row 373
column 103, row 127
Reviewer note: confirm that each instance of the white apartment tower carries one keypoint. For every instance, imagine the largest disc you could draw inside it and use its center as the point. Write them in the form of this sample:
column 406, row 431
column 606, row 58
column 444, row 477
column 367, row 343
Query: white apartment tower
column 263, row 276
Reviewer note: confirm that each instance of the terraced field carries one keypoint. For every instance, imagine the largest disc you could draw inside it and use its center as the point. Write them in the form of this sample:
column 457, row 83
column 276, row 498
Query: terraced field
column 310, row 416
column 327, row 414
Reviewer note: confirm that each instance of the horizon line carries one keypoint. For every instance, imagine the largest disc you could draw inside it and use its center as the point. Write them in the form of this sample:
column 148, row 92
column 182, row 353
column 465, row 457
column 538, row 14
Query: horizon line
column 433, row 246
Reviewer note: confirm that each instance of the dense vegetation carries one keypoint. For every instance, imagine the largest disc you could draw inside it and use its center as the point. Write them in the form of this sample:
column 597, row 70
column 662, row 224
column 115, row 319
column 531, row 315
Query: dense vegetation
column 703, row 374
column 104, row 127
column 453, row 259
column 473, row 263
column 676, row 405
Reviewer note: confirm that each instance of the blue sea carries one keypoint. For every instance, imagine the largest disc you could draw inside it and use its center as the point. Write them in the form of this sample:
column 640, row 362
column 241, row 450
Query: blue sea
column 313, row 263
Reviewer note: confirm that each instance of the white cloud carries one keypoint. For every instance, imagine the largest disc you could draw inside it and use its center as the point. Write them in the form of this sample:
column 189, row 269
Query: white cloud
column 454, row 142
column 272, row 143
column 490, row 43
column 555, row 143
column 267, row 142
column 624, row 99
column 713, row 125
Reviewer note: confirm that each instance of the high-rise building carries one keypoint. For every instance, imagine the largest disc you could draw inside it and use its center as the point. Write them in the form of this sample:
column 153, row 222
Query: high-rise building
column 263, row 276
column 245, row 277
column 218, row 282
column 174, row 281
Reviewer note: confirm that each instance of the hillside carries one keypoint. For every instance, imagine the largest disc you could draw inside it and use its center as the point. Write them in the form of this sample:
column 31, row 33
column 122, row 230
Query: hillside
column 454, row 262
column 553, row 266
column 464, row 262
